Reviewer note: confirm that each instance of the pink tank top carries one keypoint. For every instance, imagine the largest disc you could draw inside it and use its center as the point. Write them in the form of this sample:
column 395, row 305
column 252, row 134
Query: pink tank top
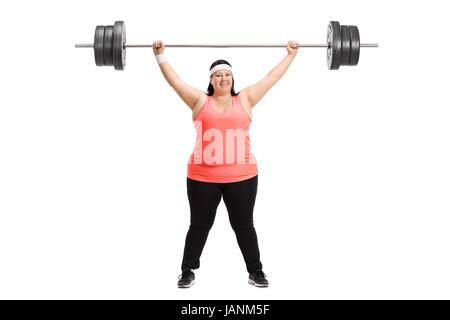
column 222, row 149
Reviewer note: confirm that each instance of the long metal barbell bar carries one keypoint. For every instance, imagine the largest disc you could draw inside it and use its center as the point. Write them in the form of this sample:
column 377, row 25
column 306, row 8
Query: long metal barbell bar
column 89, row 45
column 343, row 44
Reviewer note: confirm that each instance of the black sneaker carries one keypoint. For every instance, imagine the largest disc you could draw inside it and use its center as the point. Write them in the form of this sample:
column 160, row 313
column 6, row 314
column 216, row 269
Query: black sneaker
column 187, row 279
column 258, row 279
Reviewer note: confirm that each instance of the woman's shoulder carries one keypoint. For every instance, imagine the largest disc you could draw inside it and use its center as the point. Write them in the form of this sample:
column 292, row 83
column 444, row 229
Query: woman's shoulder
column 199, row 105
column 244, row 101
column 203, row 98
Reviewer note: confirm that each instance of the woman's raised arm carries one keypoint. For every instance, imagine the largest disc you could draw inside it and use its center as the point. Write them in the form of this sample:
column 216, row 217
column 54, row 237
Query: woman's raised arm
column 187, row 93
column 253, row 94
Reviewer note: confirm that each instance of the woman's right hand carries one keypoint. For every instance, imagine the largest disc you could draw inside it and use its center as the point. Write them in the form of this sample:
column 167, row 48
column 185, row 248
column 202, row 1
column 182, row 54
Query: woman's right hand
column 160, row 46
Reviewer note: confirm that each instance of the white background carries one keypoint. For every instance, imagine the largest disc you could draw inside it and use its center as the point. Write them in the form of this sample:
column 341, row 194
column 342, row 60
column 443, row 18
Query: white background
column 353, row 195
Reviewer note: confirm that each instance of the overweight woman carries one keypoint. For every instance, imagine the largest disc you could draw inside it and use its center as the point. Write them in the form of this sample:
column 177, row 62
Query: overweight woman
column 222, row 164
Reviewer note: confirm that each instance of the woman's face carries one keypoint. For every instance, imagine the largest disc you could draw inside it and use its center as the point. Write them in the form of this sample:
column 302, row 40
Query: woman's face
column 222, row 81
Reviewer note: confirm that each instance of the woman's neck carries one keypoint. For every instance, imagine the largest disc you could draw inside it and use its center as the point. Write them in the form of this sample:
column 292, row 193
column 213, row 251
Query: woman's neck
column 222, row 98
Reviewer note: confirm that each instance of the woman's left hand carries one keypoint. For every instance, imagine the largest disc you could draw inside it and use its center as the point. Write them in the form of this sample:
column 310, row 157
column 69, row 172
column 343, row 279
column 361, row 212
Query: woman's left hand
column 292, row 47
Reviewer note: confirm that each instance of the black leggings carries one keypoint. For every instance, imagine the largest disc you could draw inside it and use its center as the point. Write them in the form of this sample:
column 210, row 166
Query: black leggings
column 239, row 198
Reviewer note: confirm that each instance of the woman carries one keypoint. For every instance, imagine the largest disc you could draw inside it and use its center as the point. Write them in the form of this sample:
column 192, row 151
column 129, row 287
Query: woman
column 222, row 164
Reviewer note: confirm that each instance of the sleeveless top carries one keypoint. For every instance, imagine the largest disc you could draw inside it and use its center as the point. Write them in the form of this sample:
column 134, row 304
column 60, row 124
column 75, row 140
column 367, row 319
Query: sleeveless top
column 222, row 148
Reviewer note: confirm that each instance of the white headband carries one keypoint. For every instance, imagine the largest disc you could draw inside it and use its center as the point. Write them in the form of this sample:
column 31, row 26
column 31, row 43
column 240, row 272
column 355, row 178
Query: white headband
column 219, row 67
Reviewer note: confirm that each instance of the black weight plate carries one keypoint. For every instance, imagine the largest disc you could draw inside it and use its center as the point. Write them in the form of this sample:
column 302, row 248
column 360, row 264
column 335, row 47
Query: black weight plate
column 345, row 50
column 98, row 45
column 355, row 44
column 334, row 45
column 108, row 46
column 119, row 45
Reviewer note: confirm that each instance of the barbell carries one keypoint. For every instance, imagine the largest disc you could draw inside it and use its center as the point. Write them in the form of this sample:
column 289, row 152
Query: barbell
column 343, row 45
